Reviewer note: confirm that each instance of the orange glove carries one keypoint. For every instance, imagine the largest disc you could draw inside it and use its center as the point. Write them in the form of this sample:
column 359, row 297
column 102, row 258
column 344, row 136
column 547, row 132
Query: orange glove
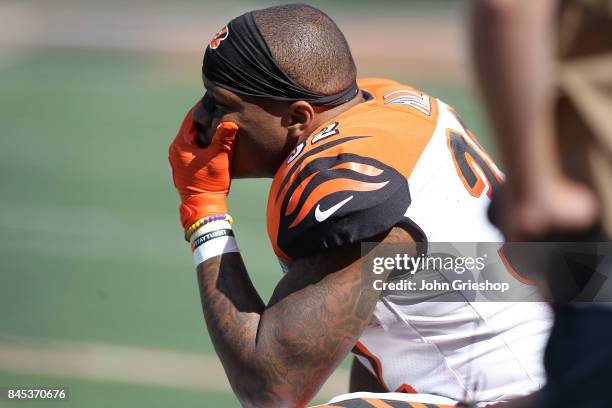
column 201, row 175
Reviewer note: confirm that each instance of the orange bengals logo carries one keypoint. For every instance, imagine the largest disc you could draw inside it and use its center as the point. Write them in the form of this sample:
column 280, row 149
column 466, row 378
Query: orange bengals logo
column 220, row 36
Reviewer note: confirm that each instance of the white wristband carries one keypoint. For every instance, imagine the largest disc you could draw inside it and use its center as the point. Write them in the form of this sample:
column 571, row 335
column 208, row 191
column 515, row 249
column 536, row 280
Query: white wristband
column 213, row 239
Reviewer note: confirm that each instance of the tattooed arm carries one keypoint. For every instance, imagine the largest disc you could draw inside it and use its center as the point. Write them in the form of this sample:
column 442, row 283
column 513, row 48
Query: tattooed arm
column 279, row 355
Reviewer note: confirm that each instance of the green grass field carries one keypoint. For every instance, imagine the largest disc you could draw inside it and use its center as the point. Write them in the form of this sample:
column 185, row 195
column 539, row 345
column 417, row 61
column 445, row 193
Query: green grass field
column 90, row 244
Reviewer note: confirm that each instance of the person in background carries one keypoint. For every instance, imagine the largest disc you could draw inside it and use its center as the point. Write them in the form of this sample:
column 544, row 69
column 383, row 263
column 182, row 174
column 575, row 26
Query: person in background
column 545, row 71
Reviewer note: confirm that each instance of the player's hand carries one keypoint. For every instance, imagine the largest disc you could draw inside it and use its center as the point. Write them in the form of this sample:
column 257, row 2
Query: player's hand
column 557, row 209
column 201, row 174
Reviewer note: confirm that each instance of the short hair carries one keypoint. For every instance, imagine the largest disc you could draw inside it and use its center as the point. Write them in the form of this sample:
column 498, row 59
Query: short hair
column 308, row 46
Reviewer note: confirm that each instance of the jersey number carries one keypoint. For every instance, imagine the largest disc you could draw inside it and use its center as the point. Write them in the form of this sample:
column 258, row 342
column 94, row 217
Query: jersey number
column 474, row 166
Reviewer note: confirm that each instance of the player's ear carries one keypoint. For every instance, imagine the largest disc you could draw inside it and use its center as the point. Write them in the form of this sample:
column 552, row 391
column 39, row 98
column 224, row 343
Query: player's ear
column 301, row 116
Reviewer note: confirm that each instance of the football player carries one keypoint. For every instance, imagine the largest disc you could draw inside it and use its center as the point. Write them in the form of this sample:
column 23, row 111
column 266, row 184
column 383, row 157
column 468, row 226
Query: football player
column 351, row 161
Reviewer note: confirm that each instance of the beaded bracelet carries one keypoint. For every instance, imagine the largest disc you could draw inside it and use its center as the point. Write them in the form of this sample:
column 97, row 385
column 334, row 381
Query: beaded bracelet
column 203, row 221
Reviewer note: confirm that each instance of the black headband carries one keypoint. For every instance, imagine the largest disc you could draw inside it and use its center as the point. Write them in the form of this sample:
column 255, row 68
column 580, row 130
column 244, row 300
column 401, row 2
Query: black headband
column 239, row 59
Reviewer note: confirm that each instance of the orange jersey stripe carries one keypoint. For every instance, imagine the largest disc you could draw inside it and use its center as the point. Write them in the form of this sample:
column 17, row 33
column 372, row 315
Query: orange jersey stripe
column 330, row 187
column 359, row 168
column 297, row 194
column 377, row 403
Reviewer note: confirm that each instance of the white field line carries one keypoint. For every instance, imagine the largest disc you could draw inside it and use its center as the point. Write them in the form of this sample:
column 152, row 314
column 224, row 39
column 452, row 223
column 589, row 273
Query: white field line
column 127, row 365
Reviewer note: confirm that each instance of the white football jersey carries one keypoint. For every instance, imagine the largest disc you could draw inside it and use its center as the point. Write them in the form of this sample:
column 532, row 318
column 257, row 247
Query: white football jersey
column 404, row 157
column 491, row 350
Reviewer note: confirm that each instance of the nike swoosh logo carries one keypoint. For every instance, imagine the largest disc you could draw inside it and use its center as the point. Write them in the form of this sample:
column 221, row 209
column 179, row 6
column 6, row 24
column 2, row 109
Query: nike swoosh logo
column 323, row 215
